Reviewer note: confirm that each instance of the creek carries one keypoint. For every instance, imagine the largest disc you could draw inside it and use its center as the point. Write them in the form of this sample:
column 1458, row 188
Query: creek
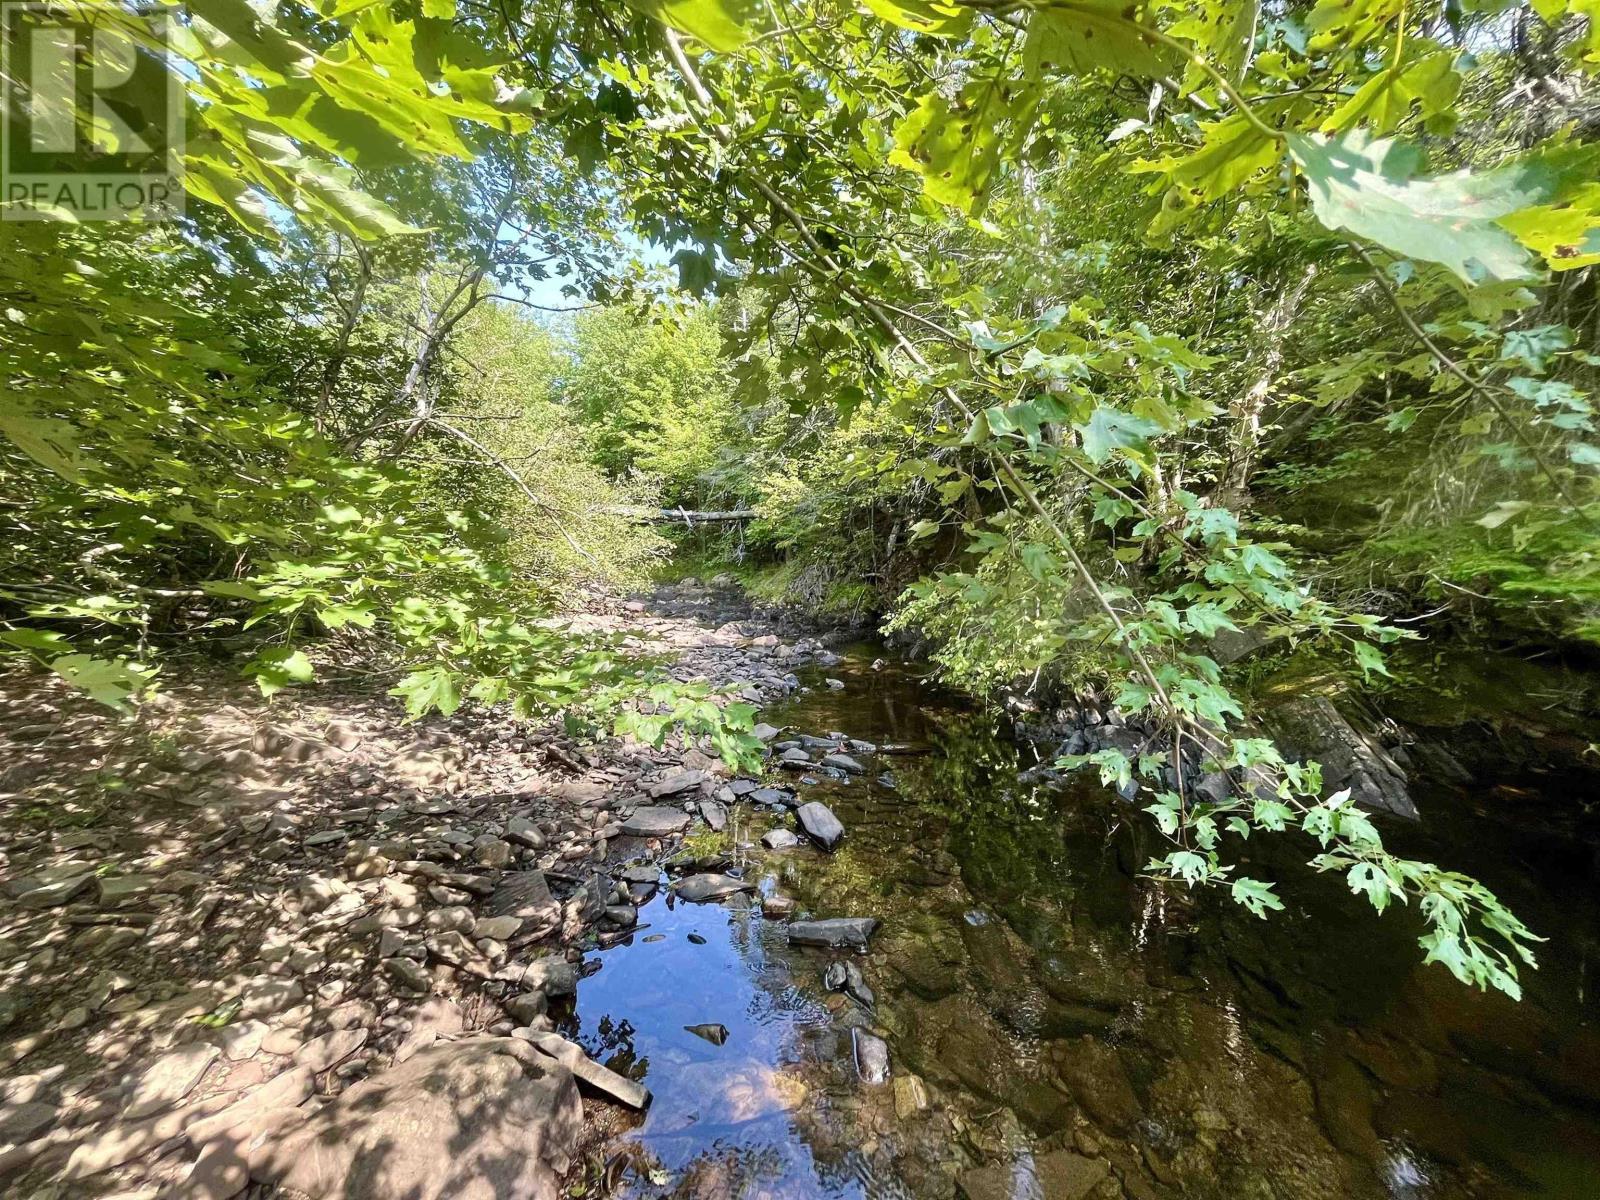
column 1059, row 1026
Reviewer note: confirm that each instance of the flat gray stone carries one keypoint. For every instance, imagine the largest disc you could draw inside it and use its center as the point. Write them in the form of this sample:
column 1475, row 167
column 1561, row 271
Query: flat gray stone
column 678, row 781
column 522, row 894
column 52, row 895
column 114, row 889
column 241, row 1040
column 571, row 1056
column 839, row 932
column 328, row 1051
column 698, row 888
column 168, row 1080
column 23, row 1122
column 844, row 763
column 780, row 839
column 715, row 815
column 655, row 821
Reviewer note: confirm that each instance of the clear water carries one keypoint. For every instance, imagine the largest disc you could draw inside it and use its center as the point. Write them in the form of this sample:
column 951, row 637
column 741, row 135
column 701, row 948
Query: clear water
column 1049, row 998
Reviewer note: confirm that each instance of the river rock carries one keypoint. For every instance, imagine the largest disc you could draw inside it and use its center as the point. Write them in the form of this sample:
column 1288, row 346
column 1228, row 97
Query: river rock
column 779, row 839
column 654, row 821
column 524, row 832
column 872, row 1057
column 1059, row 1175
column 528, row 1007
column 844, row 763
column 910, row 1096
column 287, row 1090
column 715, row 815
column 846, row 977
column 114, row 889
column 678, row 781
column 480, row 1119
column 489, row 851
column 836, row 932
column 764, row 732
column 819, row 823
column 328, row 1051
column 496, row 928
column 774, row 796
column 522, row 894
column 571, row 1056
column 698, row 888
column 56, row 893
column 167, row 1080
column 550, row 975
column 409, row 975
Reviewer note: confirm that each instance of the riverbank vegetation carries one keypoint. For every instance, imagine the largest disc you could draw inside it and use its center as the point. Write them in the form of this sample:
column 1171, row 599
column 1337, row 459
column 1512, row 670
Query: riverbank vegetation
column 1068, row 336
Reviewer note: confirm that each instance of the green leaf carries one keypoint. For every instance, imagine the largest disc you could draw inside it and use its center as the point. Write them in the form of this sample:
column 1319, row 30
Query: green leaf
column 1366, row 878
column 1369, row 658
column 49, row 441
column 1371, row 189
column 1111, row 429
column 695, row 271
column 105, row 681
column 957, row 145
column 1230, row 152
column 1429, row 82
column 924, row 529
column 429, row 689
column 924, row 16
column 1256, row 896
column 1207, row 619
column 1095, row 34
column 720, row 24
column 279, row 667
column 43, row 642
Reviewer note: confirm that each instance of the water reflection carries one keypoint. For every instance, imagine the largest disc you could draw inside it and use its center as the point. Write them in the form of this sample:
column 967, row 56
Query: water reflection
column 1045, row 1005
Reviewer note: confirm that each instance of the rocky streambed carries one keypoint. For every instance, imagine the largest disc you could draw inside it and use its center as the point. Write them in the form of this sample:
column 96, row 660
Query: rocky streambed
column 323, row 954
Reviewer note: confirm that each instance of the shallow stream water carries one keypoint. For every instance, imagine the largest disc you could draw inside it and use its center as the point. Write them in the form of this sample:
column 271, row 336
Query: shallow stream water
column 1059, row 1027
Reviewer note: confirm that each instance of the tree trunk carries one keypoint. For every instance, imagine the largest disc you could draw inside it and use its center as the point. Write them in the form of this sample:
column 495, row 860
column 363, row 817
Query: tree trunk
column 1244, row 413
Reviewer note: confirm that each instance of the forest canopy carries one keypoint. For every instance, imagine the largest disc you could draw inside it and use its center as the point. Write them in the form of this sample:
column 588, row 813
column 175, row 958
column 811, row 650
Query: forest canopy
column 1073, row 336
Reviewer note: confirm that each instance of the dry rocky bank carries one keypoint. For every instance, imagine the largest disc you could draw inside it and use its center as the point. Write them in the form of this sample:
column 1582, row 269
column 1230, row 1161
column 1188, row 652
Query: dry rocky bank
column 304, row 946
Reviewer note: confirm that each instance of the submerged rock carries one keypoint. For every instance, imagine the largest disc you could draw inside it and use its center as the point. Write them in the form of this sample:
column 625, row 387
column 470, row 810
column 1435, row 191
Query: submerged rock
column 844, row 763
column 698, row 888
column 872, row 1057
column 779, row 839
column 717, row 1035
column 836, row 932
column 819, row 823
column 852, row 983
column 1060, row 1175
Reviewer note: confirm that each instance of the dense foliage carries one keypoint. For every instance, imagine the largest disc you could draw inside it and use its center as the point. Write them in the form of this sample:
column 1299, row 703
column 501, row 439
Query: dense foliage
column 1121, row 324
